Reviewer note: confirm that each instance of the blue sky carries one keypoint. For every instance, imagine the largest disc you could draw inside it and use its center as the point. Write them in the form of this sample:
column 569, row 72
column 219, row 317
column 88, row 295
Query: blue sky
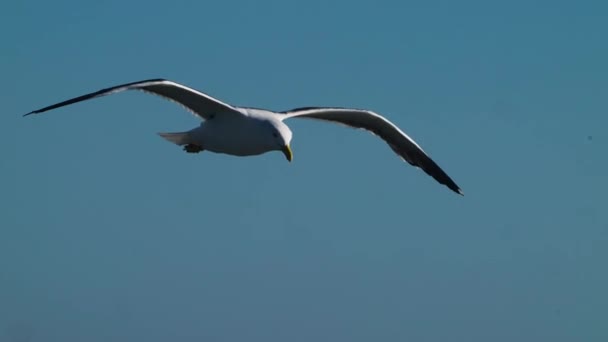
column 109, row 233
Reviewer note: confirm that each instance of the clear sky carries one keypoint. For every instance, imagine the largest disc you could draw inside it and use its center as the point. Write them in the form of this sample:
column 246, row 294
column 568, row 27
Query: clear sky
column 110, row 233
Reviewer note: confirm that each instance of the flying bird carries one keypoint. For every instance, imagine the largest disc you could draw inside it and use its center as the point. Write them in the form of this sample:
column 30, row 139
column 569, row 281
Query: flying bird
column 247, row 131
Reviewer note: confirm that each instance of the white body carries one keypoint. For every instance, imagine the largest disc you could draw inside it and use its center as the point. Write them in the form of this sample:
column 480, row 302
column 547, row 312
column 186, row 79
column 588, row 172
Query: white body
column 235, row 134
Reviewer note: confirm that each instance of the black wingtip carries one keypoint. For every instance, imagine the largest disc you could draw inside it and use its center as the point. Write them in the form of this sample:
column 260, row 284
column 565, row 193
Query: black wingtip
column 448, row 182
column 88, row 96
column 454, row 188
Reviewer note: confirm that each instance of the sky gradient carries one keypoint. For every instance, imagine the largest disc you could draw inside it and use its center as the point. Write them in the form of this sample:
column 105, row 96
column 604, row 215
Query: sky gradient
column 110, row 233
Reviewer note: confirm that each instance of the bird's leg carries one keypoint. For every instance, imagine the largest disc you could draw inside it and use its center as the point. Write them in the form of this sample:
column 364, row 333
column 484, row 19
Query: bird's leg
column 191, row 148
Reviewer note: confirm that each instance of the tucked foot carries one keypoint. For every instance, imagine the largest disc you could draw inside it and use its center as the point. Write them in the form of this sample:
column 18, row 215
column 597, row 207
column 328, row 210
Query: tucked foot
column 191, row 148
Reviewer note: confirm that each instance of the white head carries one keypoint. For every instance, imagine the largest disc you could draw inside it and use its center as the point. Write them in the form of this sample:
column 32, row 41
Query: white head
column 279, row 137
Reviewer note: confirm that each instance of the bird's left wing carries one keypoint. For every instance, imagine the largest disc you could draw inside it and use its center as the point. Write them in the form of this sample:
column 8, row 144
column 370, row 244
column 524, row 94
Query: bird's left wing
column 400, row 142
column 193, row 100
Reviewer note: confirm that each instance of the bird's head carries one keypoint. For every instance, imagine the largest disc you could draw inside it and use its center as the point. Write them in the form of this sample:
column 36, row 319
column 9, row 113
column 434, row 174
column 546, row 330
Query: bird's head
column 280, row 137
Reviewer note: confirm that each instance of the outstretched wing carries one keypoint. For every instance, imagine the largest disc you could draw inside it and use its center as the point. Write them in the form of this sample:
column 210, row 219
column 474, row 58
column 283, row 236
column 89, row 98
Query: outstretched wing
column 193, row 100
column 400, row 142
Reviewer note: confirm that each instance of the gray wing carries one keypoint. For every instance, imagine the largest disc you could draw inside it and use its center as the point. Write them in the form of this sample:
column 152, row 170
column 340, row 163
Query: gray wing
column 196, row 102
column 399, row 142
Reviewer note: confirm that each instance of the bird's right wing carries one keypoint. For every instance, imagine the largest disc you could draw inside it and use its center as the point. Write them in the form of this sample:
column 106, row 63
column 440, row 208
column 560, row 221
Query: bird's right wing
column 193, row 100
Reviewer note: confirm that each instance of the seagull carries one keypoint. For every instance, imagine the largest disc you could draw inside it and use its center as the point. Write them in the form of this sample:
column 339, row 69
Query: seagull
column 248, row 131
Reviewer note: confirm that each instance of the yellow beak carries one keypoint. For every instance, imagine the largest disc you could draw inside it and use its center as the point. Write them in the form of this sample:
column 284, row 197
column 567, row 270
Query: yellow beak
column 287, row 152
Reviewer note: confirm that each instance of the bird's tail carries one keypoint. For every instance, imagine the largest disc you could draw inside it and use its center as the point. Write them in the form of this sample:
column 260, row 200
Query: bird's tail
column 180, row 138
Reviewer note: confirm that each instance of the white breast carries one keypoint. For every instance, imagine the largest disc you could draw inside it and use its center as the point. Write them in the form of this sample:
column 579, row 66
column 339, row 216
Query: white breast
column 235, row 135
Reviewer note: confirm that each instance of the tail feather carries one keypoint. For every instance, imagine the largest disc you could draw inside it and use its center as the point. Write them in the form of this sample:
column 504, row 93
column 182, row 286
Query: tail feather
column 180, row 138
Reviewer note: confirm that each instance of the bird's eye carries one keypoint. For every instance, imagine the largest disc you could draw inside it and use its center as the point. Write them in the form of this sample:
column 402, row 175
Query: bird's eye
column 275, row 134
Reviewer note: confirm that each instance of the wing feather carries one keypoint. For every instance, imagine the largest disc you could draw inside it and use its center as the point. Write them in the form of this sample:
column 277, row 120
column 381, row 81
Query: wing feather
column 398, row 141
column 193, row 100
